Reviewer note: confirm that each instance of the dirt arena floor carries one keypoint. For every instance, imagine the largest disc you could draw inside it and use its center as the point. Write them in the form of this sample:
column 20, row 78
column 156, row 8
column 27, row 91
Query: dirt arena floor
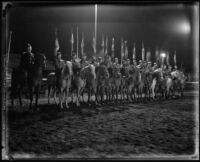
column 128, row 130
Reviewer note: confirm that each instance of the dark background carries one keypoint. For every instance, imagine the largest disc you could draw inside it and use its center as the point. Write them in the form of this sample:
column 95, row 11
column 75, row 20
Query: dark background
column 154, row 25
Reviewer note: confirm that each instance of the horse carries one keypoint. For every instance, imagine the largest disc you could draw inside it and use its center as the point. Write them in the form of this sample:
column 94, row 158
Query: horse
column 79, row 83
column 88, row 73
column 179, row 81
column 102, row 81
column 115, row 80
column 123, row 88
column 64, row 79
column 141, row 83
column 161, row 83
column 169, row 86
column 51, row 84
column 148, row 82
column 18, row 80
column 131, row 82
column 35, row 75
column 155, row 82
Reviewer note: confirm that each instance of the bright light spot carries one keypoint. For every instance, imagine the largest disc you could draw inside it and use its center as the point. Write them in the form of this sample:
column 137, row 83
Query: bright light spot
column 163, row 54
column 185, row 27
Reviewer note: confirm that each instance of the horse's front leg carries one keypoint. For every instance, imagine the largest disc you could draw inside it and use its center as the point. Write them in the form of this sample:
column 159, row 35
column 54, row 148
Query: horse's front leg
column 60, row 98
column 54, row 95
column 78, row 97
column 20, row 98
column 49, row 93
column 96, row 94
column 116, row 93
column 89, row 95
column 31, row 97
column 67, row 97
column 36, row 96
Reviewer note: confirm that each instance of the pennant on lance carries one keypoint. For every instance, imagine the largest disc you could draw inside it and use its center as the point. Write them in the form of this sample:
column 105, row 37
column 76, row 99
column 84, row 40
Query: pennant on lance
column 122, row 50
column 143, row 52
column 57, row 47
column 175, row 57
column 106, row 50
column 148, row 56
column 72, row 42
column 126, row 49
column 113, row 47
column 94, row 43
column 134, row 51
column 82, row 45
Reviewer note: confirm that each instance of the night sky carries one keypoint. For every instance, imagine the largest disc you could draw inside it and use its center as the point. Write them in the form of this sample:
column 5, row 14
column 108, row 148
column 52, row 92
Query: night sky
column 154, row 25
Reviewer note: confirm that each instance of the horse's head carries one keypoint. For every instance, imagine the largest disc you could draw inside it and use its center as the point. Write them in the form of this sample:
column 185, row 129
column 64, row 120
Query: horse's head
column 67, row 69
column 89, row 72
column 40, row 60
column 111, row 71
column 103, row 71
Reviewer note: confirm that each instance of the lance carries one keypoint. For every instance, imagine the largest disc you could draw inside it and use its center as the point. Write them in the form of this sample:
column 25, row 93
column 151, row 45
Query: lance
column 122, row 50
column 106, row 50
column 133, row 57
column 82, row 45
column 113, row 48
column 143, row 52
column 175, row 58
column 95, row 28
column 72, row 42
column 77, row 41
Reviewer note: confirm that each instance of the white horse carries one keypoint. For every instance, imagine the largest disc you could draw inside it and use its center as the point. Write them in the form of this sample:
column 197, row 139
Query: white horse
column 179, row 81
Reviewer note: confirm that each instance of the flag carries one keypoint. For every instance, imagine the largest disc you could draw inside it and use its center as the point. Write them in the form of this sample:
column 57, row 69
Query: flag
column 102, row 43
column 122, row 50
column 175, row 57
column 57, row 47
column 143, row 52
column 148, row 56
column 126, row 49
column 94, row 43
column 106, row 50
column 113, row 47
column 134, row 52
column 82, row 45
column 72, row 40
column 167, row 58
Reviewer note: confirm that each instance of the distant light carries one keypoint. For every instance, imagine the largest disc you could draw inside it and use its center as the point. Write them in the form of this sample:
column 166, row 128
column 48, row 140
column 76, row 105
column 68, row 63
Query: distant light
column 185, row 27
column 163, row 55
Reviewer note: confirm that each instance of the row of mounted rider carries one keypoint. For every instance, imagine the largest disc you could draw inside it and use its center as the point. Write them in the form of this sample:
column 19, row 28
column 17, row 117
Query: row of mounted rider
column 99, row 77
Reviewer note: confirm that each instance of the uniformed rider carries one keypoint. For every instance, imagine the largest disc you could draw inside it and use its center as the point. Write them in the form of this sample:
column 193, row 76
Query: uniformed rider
column 84, row 61
column 59, row 65
column 27, row 59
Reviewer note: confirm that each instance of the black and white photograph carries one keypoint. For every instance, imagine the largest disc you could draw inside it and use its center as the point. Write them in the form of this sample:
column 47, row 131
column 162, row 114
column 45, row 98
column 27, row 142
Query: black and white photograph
column 100, row 80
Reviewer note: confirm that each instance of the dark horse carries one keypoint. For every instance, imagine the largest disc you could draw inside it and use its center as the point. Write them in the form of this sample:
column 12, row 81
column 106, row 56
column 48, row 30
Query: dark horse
column 35, row 75
column 18, row 78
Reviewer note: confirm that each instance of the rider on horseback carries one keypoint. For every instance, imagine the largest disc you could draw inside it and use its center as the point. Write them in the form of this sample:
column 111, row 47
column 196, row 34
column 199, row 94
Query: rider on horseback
column 59, row 65
column 116, row 67
column 84, row 62
column 26, row 61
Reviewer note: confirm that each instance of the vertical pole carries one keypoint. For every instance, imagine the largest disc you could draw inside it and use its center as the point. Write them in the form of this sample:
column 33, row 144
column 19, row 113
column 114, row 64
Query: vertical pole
column 95, row 34
column 77, row 41
column 7, row 61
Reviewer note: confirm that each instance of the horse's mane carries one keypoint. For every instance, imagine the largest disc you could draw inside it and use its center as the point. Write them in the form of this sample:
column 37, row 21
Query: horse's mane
column 88, row 71
column 38, row 59
column 102, row 71
column 67, row 70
